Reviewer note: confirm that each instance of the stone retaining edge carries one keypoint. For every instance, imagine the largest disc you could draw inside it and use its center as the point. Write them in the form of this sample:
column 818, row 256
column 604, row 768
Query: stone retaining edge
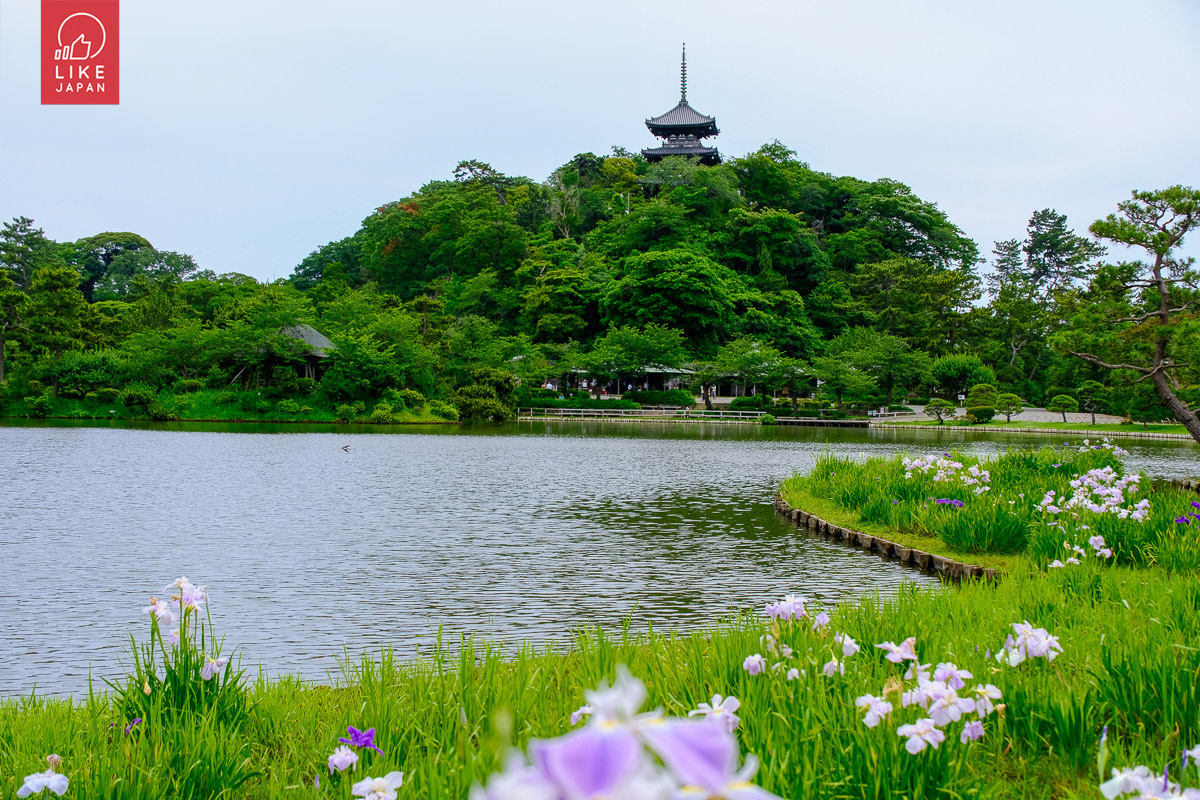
column 1046, row 431
column 947, row 568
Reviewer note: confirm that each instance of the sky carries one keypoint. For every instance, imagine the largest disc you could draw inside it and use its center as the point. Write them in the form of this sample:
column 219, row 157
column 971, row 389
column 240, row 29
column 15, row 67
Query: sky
column 250, row 133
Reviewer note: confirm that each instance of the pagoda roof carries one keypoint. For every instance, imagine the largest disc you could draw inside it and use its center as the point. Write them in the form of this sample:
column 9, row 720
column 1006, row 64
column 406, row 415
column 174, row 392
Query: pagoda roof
column 681, row 116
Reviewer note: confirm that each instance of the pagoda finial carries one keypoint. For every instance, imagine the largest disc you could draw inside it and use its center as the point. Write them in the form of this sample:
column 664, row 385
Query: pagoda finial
column 683, row 76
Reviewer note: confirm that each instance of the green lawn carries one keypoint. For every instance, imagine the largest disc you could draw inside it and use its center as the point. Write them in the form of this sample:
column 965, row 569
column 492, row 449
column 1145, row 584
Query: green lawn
column 1061, row 426
column 1128, row 662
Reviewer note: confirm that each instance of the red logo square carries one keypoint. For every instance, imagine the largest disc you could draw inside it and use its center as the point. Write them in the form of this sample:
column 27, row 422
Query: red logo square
column 80, row 52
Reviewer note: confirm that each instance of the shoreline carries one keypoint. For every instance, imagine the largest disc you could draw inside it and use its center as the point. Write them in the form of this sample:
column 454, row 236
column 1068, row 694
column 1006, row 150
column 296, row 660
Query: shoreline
column 1040, row 431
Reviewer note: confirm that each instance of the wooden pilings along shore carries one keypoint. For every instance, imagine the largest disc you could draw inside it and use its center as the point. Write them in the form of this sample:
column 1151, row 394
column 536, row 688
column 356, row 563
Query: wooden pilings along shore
column 948, row 568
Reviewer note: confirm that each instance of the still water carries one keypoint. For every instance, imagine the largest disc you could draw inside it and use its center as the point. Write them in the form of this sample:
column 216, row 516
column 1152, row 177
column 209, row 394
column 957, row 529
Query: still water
column 312, row 540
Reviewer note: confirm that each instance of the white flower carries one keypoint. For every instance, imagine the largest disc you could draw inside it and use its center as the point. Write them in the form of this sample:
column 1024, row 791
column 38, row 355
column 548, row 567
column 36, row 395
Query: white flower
column 379, row 788
column 832, row 666
column 920, row 733
column 38, row 782
column 621, row 702
column 722, row 710
column 983, row 704
column 951, row 674
column 755, row 664
column 793, row 674
column 905, row 651
column 161, row 611
column 342, row 759
column 212, row 667
column 877, row 709
column 849, row 646
column 821, row 621
column 579, row 713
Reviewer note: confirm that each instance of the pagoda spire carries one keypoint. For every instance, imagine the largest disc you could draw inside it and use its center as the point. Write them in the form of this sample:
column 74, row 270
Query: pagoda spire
column 683, row 76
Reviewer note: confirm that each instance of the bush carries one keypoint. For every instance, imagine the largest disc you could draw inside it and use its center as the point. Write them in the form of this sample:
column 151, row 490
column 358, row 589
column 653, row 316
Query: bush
column 381, row 415
column 407, row 398
column 674, row 397
column 755, row 402
column 107, row 394
column 160, row 413
column 37, row 406
column 980, row 415
column 306, row 386
column 288, row 407
column 306, row 409
column 443, row 410
column 225, row 398
column 138, row 399
column 981, row 394
column 345, row 412
column 919, row 401
column 900, row 408
column 767, row 419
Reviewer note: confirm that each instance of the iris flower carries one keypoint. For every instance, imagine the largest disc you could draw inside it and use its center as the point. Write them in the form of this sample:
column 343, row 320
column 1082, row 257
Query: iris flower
column 722, row 710
column 342, row 759
column 379, row 788
column 971, row 731
column 579, row 713
column 905, row 651
column 921, row 733
column 755, row 664
column 213, row 666
column 849, row 646
column 39, row 782
column 703, row 757
column 877, row 708
column 821, row 621
column 364, row 739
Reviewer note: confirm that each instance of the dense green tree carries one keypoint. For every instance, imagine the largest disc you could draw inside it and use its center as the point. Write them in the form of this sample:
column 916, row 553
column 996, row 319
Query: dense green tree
column 11, row 301
column 1134, row 324
column 677, row 288
column 1092, row 396
column 1009, row 405
column 24, row 249
column 954, row 373
column 839, row 377
column 886, row 358
column 94, row 256
column 55, row 313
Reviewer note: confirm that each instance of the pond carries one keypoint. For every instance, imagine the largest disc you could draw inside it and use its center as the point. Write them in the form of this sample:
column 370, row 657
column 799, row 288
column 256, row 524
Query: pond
column 312, row 540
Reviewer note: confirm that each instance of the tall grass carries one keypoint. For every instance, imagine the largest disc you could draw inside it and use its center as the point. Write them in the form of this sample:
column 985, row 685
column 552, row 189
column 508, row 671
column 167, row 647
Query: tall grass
column 1002, row 513
column 446, row 719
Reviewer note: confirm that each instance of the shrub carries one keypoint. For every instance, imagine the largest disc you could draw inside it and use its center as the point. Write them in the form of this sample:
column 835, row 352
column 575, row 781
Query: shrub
column 381, row 414
column 406, row 398
column 306, row 409
column 981, row 394
column 900, row 408
column 767, row 419
column 359, row 406
column 160, row 413
column 443, row 410
column 979, row 415
column 37, row 406
column 674, row 397
column 756, row 402
column 288, row 407
column 248, row 402
column 189, row 385
column 345, row 412
column 139, row 398
column 306, row 386
column 225, row 398
column 919, row 401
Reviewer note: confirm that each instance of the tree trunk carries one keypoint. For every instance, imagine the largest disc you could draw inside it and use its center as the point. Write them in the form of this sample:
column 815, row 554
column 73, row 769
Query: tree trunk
column 1178, row 408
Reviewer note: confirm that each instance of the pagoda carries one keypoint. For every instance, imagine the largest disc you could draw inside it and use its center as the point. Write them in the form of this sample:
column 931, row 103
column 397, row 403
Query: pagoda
column 682, row 129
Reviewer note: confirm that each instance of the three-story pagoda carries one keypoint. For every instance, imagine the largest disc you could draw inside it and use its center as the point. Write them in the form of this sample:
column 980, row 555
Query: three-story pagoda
column 683, row 128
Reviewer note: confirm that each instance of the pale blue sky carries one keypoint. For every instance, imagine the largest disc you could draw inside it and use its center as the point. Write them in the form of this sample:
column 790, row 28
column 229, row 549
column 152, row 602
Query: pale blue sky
column 251, row 132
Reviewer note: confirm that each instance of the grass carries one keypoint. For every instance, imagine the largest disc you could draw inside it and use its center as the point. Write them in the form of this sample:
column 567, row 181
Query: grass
column 996, row 512
column 1061, row 426
column 445, row 720
column 211, row 405
column 836, row 514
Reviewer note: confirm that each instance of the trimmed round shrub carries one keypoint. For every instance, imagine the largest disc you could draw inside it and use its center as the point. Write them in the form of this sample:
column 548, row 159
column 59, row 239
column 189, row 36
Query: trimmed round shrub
column 981, row 414
column 767, row 419
column 381, row 415
column 288, row 407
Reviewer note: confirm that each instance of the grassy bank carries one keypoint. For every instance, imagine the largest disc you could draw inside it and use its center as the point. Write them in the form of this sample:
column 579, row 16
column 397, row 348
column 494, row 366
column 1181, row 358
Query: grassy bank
column 1128, row 662
column 1058, row 426
column 211, row 405
column 1051, row 505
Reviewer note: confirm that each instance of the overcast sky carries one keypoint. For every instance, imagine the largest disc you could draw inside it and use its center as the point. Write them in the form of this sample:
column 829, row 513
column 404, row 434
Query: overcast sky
column 251, row 132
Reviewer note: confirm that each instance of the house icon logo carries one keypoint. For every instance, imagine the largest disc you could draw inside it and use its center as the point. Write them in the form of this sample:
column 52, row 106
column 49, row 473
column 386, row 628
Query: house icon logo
column 85, row 46
column 81, row 52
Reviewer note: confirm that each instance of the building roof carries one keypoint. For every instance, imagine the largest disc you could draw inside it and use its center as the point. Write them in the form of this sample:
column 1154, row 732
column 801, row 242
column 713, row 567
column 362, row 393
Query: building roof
column 681, row 116
column 316, row 341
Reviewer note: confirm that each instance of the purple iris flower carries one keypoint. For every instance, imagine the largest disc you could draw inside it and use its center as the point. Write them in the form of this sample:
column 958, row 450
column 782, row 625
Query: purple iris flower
column 589, row 762
column 1183, row 520
column 948, row 502
column 137, row 721
column 364, row 739
column 1195, row 504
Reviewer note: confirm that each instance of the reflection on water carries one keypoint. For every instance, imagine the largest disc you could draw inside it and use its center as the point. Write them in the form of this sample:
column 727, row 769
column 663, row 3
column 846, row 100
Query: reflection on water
column 518, row 532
